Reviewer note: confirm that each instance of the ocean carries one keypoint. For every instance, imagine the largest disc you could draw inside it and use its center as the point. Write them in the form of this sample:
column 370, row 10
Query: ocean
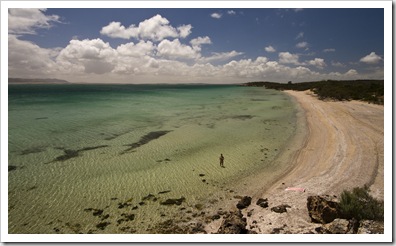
column 90, row 158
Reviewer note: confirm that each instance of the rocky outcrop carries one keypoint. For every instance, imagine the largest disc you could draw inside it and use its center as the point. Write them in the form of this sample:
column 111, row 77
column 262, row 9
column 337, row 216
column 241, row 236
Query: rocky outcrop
column 322, row 209
column 233, row 223
column 244, row 202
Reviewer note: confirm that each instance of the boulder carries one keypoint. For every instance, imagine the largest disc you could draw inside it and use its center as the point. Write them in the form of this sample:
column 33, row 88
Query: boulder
column 338, row 226
column 280, row 208
column 322, row 209
column 233, row 223
column 262, row 202
column 244, row 202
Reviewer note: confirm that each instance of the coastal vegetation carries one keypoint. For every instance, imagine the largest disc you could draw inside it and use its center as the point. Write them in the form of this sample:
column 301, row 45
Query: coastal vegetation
column 359, row 204
column 371, row 91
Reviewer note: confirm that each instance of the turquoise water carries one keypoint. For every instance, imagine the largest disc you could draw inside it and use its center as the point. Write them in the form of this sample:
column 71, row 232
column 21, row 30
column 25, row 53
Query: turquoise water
column 125, row 149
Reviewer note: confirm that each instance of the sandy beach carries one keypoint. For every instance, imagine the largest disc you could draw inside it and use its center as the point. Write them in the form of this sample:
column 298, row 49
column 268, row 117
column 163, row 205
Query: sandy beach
column 341, row 147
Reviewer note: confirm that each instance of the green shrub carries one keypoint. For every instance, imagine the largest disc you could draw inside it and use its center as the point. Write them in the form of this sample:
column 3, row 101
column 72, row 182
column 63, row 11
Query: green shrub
column 359, row 204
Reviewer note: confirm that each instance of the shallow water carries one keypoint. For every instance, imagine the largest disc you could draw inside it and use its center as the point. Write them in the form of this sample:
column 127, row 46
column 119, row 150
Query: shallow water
column 102, row 158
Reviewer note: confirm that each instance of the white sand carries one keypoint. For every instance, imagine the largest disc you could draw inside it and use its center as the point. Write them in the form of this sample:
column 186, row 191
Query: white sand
column 342, row 148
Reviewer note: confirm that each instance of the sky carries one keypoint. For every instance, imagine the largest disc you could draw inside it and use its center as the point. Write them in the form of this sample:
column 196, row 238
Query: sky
column 196, row 45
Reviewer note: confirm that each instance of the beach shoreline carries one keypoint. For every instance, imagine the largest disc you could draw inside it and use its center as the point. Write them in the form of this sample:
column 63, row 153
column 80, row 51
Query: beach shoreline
column 340, row 147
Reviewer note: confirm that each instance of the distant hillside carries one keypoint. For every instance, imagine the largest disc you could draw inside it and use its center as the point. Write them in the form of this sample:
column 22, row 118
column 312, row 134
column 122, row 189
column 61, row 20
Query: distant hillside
column 36, row 81
column 365, row 90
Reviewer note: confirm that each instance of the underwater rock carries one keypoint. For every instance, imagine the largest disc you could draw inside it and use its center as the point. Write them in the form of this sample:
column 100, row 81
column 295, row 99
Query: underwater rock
column 102, row 225
column 12, row 168
column 33, row 150
column 149, row 197
column 145, row 140
column 174, row 201
column 69, row 153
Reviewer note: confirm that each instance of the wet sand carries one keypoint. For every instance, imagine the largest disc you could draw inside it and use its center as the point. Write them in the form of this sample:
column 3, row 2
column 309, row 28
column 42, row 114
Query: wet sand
column 340, row 147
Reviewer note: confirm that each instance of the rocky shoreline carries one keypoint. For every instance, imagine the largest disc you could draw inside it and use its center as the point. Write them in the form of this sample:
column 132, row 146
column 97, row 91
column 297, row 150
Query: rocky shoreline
column 323, row 210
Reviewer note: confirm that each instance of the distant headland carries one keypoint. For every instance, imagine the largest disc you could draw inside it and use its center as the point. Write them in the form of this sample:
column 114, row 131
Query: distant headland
column 371, row 91
column 36, row 81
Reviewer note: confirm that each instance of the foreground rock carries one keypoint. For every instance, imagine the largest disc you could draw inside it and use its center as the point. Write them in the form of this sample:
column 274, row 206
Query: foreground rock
column 244, row 202
column 233, row 223
column 262, row 202
column 322, row 209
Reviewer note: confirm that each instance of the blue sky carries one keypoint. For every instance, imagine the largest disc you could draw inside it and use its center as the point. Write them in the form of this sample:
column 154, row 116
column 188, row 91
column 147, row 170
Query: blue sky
column 228, row 45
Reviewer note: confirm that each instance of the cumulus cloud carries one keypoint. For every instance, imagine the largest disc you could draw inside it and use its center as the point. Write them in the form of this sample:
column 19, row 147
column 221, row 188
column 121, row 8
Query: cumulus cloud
column 197, row 42
column 216, row 15
column 139, row 49
column 26, row 59
column 156, row 28
column 302, row 45
column 158, row 54
column 351, row 72
column 288, row 58
column 94, row 56
column 270, row 49
column 231, row 12
column 372, row 58
column 176, row 50
column 116, row 30
column 318, row 62
column 26, row 21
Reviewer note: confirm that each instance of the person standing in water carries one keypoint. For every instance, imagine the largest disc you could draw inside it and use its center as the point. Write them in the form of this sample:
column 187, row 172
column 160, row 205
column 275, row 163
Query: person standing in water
column 221, row 160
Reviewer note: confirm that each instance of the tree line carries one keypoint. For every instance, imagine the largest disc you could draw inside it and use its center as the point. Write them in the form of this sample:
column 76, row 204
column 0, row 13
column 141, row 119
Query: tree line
column 371, row 91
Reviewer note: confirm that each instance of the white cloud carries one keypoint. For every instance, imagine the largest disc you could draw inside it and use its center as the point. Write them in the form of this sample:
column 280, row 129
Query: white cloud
column 351, row 72
column 302, row 45
column 158, row 55
column 175, row 50
column 156, row 28
column 318, row 62
column 136, row 50
column 329, row 50
column 337, row 64
column 298, row 10
column 26, row 21
column 300, row 35
column 116, row 30
column 26, row 59
column 184, row 30
column 372, row 58
column 231, row 12
column 288, row 58
column 270, row 49
column 94, row 56
column 197, row 42
column 223, row 56
column 216, row 15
